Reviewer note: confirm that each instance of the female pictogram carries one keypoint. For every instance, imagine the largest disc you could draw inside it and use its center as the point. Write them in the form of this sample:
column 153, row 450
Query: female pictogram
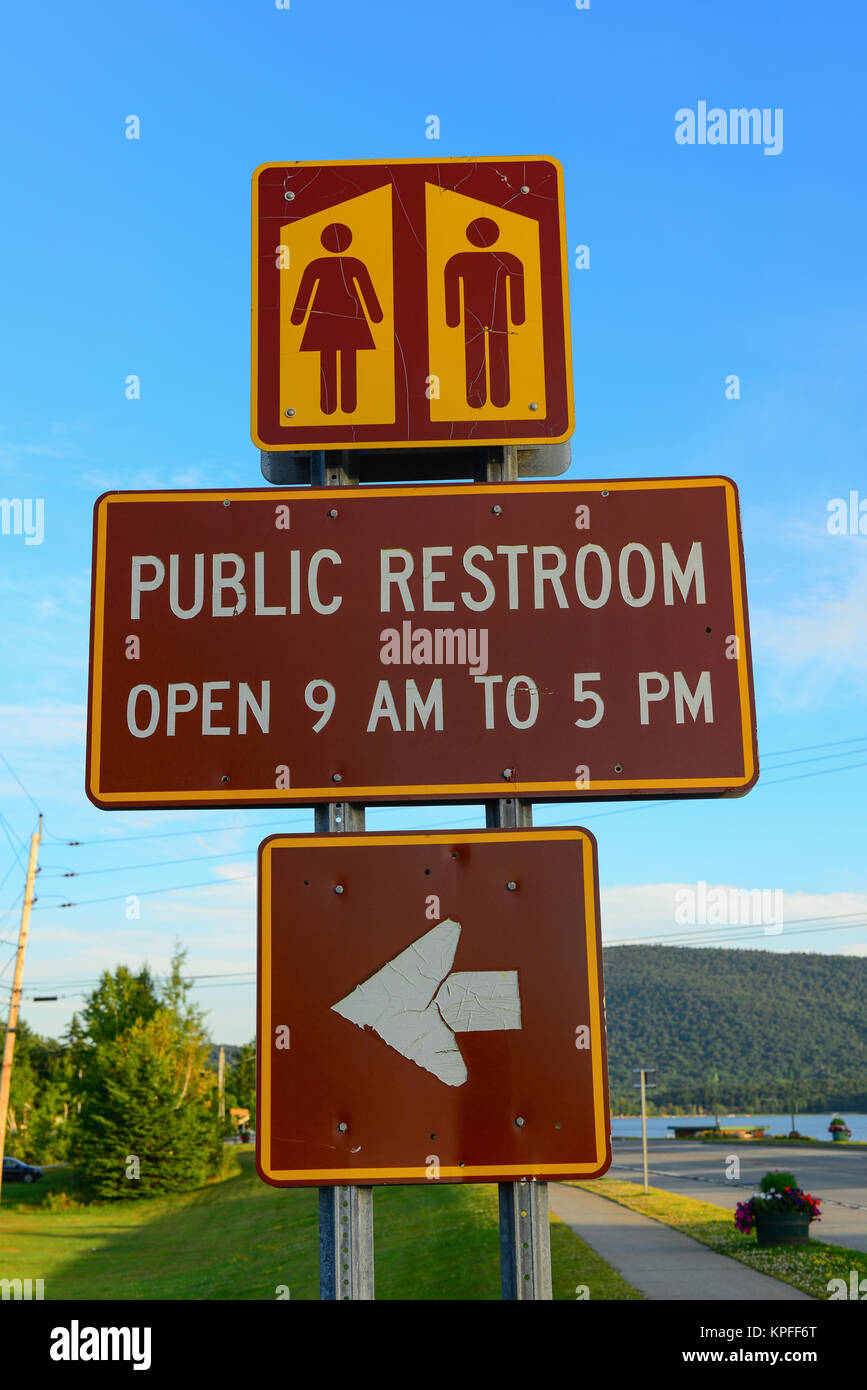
column 343, row 306
column 493, row 285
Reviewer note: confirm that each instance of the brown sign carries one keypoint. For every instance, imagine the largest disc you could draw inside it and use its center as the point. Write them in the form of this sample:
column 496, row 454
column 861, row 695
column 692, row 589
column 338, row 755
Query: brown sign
column 430, row 1008
column 551, row 640
column 410, row 301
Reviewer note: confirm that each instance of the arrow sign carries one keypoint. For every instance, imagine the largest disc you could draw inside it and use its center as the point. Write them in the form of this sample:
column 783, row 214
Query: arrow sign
column 416, row 1006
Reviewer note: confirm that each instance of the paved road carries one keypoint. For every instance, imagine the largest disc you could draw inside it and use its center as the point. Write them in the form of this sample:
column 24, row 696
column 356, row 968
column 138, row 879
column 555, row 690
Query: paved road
column 837, row 1175
column 659, row 1262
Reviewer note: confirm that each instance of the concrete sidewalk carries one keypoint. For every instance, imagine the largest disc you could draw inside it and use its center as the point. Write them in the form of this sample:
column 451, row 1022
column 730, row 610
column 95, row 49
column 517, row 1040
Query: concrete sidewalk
column 659, row 1262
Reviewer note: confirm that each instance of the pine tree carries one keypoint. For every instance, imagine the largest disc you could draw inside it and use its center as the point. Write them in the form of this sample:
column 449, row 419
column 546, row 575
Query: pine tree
column 149, row 1119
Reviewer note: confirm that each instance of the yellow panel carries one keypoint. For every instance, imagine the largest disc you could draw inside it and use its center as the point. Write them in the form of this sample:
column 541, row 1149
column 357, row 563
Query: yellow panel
column 448, row 217
column 368, row 218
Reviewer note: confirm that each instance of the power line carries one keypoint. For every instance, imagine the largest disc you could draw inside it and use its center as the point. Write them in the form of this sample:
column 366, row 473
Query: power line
column 707, row 940
column 811, row 747
column 710, row 935
column 149, row 892
column 155, row 864
column 171, row 834
column 822, row 758
column 42, row 982
column 9, row 831
column 20, row 783
column 824, row 917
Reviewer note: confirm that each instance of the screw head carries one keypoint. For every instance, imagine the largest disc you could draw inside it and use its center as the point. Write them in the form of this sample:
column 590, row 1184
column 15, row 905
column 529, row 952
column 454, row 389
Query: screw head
column 524, row 188
column 333, row 512
column 534, row 405
column 511, row 885
column 289, row 411
column 343, row 1127
column 288, row 195
column 605, row 492
column 520, row 1121
column 618, row 767
column 336, row 777
column 497, row 510
column 507, row 773
column 224, row 779
column 338, row 887
column 226, row 503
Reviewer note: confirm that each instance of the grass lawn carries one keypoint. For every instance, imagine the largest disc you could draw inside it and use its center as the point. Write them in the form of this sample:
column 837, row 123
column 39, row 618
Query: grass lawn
column 807, row 1267
column 240, row 1239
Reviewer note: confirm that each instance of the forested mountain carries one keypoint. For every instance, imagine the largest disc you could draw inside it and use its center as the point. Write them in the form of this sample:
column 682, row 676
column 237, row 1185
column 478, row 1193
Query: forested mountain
column 773, row 1028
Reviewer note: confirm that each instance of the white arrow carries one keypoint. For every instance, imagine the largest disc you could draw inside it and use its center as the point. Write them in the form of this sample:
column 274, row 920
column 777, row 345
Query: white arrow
column 416, row 1006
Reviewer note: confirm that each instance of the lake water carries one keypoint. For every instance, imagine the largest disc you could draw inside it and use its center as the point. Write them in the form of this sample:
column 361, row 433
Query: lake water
column 816, row 1126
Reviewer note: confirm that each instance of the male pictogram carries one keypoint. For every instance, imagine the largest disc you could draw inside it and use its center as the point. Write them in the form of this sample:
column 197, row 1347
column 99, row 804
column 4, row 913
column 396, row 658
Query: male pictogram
column 489, row 287
column 343, row 306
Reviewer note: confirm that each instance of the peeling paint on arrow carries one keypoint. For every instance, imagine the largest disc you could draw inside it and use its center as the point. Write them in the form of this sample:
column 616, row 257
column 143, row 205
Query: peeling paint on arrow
column 416, row 1006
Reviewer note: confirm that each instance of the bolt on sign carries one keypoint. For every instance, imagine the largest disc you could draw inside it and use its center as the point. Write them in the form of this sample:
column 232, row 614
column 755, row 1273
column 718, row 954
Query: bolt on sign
column 550, row 640
column 404, row 301
column 414, row 1025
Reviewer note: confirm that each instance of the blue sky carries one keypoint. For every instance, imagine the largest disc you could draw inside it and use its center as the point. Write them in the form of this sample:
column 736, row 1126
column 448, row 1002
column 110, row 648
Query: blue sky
column 126, row 256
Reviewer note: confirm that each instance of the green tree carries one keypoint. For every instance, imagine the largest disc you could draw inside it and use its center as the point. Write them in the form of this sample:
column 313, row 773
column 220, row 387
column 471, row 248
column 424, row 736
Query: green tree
column 241, row 1081
column 121, row 1000
column 149, row 1120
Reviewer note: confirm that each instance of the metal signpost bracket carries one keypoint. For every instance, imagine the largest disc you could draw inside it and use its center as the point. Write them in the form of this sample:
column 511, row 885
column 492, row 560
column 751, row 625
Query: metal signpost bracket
column 297, row 468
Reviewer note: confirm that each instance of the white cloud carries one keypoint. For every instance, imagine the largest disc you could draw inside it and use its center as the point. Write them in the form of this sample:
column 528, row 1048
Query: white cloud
column 813, row 647
column 53, row 722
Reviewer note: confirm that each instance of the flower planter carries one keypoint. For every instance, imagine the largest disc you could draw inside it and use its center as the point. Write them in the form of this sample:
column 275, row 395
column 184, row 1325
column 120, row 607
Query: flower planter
column 840, row 1135
column 782, row 1228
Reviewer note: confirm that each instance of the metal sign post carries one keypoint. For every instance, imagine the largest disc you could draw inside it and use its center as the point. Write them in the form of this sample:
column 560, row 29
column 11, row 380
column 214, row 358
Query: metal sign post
column 525, row 1232
column 346, row 1266
column 643, row 1073
column 345, row 1213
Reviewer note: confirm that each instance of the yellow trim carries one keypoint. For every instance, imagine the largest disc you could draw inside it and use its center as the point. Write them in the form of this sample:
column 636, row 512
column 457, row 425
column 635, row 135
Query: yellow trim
column 293, row 795
column 476, row 440
column 740, row 630
column 373, row 840
column 265, row 974
column 98, row 646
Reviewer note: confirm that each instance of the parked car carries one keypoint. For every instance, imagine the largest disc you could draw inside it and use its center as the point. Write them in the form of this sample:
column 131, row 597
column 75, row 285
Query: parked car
column 16, row 1171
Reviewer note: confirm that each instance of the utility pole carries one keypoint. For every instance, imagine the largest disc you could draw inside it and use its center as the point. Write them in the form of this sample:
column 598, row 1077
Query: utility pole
column 12, row 1020
column 644, row 1074
column 221, row 1080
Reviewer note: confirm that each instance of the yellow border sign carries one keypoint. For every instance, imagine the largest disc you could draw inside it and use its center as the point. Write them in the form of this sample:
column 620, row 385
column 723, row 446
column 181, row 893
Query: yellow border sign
column 571, row 937
column 410, row 302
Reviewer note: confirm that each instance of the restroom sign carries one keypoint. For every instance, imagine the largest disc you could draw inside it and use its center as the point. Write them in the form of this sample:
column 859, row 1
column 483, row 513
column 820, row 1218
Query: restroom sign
column 553, row 641
column 409, row 302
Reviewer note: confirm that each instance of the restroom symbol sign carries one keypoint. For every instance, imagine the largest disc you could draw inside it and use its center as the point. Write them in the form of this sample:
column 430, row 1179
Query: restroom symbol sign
column 410, row 303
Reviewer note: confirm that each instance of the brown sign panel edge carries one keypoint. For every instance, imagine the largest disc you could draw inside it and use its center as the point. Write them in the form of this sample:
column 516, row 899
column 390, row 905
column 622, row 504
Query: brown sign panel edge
column 736, row 785
column 477, row 1173
column 445, row 443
